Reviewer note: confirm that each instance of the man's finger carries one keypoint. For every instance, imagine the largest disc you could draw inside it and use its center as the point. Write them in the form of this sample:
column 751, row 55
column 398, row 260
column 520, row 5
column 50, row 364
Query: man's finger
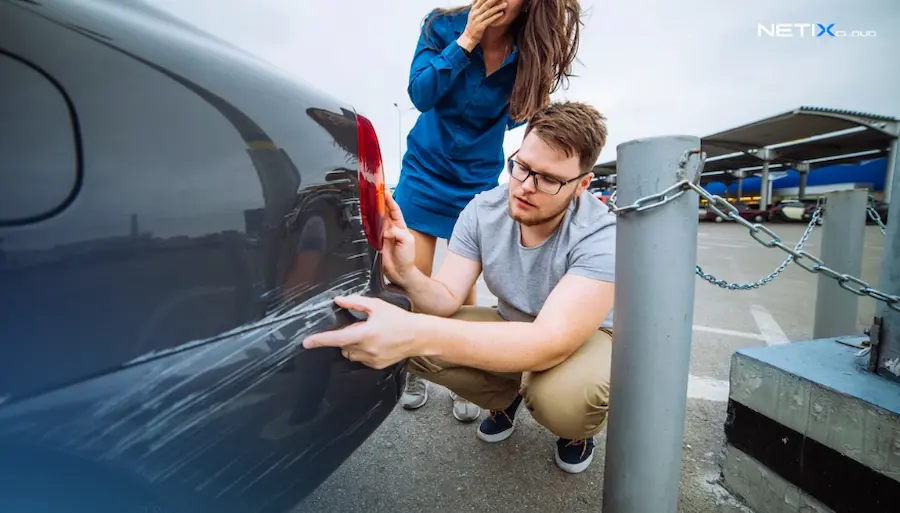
column 400, row 235
column 337, row 338
column 394, row 211
column 358, row 303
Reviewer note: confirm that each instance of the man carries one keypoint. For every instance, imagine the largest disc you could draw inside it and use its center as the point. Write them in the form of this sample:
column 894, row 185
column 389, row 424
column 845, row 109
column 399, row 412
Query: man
column 547, row 251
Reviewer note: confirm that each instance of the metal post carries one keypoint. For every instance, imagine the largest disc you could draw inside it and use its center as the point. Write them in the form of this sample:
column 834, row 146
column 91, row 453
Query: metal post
column 893, row 163
column 654, row 309
column 843, row 236
column 740, row 191
column 764, row 187
column 803, row 169
column 887, row 354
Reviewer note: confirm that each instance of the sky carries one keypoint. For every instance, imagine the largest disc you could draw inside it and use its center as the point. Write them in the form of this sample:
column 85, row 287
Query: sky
column 652, row 67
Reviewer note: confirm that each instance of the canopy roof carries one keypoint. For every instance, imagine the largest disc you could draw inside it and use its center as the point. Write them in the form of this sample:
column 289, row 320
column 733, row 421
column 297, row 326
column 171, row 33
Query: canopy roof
column 813, row 135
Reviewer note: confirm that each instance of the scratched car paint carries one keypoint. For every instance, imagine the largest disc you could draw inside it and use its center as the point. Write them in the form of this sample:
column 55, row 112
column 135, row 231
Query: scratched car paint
column 151, row 318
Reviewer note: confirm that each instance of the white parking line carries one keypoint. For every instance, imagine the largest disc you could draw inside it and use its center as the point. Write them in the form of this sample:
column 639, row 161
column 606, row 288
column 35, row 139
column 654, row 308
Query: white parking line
column 768, row 326
column 730, row 333
column 707, row 388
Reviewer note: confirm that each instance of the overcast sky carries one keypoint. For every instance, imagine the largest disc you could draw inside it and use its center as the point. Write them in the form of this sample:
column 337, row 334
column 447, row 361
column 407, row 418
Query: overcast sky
column 653, row 67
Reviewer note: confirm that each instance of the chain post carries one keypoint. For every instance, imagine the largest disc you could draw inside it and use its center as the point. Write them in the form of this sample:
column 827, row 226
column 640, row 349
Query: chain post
column 886, row 356
column 651, row 356
column 842, row 250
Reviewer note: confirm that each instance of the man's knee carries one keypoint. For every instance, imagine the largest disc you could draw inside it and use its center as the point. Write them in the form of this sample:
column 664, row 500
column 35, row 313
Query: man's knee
column 573, row 409
column 572, row 399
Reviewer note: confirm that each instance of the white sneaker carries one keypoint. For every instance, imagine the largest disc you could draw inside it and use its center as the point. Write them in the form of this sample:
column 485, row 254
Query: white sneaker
column 416, row 392
column 463, row 410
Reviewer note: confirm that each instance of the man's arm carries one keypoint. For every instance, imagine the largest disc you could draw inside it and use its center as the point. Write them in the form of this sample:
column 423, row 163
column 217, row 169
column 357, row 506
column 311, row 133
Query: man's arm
column 574, row 310
column 443, row 294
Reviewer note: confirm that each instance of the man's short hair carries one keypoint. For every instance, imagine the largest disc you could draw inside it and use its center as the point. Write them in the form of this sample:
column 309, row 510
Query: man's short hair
column 574, row 128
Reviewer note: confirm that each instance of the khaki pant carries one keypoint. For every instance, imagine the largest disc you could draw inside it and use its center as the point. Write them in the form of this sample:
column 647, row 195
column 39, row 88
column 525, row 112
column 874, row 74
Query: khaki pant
column 571, row 399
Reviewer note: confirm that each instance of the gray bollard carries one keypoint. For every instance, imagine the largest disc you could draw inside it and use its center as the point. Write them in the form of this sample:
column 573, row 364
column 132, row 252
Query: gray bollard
column 843, row 235
column 885, row 358
column 656, row 251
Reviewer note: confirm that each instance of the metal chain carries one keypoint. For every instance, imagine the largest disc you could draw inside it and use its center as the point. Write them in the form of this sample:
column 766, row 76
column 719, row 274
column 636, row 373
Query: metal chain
column 797, row 256
column 873, row 215
column 771, row 276
column 845, row 281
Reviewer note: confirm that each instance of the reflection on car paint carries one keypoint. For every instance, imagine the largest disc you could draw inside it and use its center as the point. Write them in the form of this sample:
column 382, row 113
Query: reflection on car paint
column 158, row 322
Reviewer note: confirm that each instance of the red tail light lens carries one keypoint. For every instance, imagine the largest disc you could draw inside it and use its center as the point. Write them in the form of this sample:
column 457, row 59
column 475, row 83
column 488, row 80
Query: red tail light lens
column 371, row 182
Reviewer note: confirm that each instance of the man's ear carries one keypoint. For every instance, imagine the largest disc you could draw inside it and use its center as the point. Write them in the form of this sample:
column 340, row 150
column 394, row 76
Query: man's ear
column 585, row 183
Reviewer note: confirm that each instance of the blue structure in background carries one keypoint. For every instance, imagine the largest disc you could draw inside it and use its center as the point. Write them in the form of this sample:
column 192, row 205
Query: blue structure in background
column 871, row 172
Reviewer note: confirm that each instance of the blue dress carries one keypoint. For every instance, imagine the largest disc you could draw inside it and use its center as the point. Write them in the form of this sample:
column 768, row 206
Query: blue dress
column 455, row 150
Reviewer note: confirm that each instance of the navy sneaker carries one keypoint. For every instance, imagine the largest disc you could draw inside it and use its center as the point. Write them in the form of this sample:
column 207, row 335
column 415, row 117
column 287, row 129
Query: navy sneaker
column 499, row 425
column 574, row 456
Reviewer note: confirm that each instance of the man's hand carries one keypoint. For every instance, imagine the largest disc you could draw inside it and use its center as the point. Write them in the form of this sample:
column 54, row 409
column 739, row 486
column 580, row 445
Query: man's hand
column 387, row 337
column 398, row 255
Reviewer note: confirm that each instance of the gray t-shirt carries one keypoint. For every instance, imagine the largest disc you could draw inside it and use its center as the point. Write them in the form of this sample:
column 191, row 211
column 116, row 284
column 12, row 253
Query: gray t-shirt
column 522, row 278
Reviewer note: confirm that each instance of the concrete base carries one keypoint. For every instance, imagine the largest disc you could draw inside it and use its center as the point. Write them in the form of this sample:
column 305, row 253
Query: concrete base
column 764, row 490
column 810, row 416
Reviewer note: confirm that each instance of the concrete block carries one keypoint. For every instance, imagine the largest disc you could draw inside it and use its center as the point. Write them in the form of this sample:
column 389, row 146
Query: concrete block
column 820, row 390
column 764, row 490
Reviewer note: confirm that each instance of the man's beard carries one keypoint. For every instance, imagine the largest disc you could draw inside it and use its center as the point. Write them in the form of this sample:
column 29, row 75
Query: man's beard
column 539, row 219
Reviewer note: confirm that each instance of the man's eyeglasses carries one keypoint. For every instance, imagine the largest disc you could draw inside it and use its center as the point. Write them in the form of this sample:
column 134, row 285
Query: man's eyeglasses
column 543, row 183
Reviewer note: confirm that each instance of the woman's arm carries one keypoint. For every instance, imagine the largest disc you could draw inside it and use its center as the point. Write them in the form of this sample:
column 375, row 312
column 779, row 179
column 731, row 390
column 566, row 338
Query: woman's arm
column 433, row 71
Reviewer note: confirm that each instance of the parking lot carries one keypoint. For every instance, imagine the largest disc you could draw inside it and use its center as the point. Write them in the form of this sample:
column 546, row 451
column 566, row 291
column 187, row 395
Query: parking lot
column 427, row 461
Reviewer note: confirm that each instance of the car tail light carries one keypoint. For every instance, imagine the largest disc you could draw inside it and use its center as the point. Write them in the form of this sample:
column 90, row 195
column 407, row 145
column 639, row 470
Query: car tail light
column 371, row 182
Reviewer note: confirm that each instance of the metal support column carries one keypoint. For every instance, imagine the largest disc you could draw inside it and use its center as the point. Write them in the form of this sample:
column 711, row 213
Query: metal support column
column 654, row 310
column 764, row 187
column 843, row 236
column 803, row 169
column 767, row 155
column 887, row 354
column 892, row 170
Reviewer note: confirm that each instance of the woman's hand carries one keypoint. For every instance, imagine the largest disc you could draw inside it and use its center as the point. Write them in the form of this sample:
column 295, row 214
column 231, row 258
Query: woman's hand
column 398, row 256
column 481, row 16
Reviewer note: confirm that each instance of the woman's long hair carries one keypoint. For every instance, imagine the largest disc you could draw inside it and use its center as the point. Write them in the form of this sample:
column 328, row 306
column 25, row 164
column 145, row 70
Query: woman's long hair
column 547, row 33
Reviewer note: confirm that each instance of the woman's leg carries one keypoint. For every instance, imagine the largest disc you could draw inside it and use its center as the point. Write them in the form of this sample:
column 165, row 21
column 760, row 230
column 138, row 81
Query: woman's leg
column 416, row 392
column 425, row 246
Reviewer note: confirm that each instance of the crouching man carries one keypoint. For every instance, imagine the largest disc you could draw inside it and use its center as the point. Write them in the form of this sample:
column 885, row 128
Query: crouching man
column 547, row 251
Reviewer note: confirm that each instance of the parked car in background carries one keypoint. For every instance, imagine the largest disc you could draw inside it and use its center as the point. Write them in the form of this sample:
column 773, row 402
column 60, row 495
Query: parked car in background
column 801, row 211
column 176, row 216
column 753, row 215
column 793, row 211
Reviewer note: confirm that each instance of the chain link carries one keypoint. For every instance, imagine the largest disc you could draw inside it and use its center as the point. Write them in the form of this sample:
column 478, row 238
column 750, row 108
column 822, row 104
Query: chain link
column 873, row 215
column 771, row 276
column 764, row 236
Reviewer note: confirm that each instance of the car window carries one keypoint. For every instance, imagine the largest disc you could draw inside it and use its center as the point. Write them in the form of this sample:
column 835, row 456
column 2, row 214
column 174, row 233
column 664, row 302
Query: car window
column 38, row 153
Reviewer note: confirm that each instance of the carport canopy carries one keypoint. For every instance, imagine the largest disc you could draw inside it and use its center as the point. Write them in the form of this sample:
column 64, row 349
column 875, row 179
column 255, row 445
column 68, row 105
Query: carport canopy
column 806, row 138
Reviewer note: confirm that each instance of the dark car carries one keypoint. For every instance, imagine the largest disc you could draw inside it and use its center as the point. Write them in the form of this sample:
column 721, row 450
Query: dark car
column 793, row 211
column 754, row 215
column 176, row 216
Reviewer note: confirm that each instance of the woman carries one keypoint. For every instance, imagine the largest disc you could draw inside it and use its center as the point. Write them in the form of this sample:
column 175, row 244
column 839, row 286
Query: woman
column 478, row 71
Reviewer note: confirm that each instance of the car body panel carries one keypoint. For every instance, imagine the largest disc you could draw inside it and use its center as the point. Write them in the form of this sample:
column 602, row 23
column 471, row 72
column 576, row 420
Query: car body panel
column 153, row 326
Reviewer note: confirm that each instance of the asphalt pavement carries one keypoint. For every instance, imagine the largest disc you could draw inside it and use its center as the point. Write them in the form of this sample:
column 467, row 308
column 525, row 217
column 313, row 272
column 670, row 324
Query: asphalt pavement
column 425, row 460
